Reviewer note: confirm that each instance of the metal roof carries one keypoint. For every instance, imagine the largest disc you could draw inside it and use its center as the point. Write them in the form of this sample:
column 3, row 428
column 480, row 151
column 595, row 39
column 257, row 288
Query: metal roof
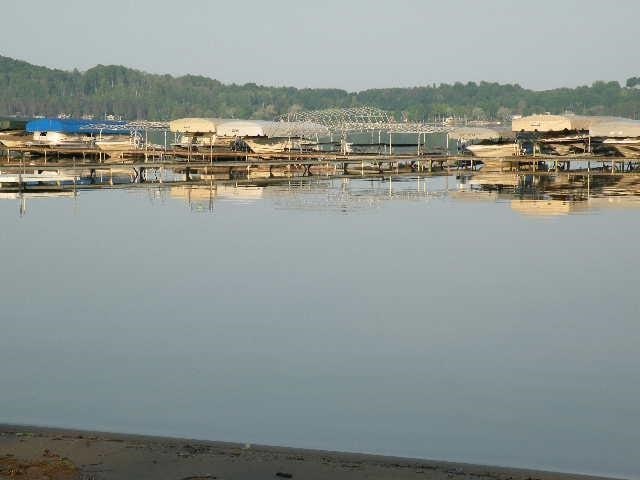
column 73, row 125
column 621, row 128
column 557, row 123
column 195, row 125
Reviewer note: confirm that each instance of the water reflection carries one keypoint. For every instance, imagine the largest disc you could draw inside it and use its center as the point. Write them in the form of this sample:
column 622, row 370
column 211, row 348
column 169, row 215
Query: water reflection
column 554, row 194
column 530, row 194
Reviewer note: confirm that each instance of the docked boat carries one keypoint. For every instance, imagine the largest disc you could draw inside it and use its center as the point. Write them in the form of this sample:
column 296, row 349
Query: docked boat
column 61, row 140
column 485, row 142
column 116, row 146
column 279, row 145
column 492, row 150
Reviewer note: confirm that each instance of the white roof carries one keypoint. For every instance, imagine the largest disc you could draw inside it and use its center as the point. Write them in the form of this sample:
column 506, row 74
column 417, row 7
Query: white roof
column 620, row 128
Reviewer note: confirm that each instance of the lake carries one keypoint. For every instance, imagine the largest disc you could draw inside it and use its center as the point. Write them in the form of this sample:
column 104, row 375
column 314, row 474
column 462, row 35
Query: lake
column 425, row 317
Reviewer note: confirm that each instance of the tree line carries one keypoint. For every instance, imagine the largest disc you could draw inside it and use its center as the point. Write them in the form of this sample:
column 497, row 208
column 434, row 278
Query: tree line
column 28, row 90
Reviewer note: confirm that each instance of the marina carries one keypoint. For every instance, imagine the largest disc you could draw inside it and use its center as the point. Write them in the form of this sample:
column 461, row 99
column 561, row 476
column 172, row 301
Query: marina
column 323, row 143
column 319, row 241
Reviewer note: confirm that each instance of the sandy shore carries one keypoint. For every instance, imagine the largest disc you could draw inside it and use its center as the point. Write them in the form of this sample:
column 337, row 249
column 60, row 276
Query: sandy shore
column 31, row 453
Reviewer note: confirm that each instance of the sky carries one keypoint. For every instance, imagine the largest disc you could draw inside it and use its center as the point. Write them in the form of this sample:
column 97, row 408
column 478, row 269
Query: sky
column 349, row 44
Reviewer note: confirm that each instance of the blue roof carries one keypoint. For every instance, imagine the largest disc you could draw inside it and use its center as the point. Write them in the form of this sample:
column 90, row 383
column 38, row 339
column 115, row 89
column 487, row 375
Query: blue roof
column 74, row 125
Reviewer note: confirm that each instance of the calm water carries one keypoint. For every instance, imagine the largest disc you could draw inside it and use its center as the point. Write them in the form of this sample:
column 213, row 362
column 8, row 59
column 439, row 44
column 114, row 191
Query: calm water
column 403, row 319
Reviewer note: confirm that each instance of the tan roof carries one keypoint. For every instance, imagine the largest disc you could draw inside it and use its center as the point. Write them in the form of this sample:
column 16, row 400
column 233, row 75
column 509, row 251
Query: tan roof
column 557, row 123
column 195, row 125
column 474, row 133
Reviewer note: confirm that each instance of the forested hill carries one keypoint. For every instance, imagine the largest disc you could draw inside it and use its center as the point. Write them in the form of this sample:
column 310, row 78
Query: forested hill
column 28, row 90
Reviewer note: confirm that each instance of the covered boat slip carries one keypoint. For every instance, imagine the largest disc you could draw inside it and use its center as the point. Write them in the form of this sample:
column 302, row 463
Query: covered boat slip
column 113, row 137
column 76, row 126
column 210, row 132
column 558, row 135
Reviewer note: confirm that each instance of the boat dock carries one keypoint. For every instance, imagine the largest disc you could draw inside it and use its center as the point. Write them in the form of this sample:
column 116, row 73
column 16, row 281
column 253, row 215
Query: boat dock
column 48, row 158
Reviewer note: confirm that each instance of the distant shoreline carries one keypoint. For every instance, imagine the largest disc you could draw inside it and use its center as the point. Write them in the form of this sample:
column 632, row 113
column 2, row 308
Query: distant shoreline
column 102, row 455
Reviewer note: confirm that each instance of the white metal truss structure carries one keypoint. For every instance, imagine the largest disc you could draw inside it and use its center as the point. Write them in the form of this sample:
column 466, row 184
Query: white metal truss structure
column 361, row 119
column 297, row 129
column 134, row 126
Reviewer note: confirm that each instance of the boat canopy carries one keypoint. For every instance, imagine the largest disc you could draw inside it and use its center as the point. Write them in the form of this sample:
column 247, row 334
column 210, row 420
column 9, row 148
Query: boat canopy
column 263, row 128
column 557, row 123
column 227, row 127
column 73, row 125
column 195, row 125
column 468, row 134
column 621, row 128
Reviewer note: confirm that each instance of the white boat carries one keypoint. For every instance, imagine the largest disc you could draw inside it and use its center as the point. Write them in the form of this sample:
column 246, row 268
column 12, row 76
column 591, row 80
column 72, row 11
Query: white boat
column 494, row 150
column 204, row 141
column 276, row 145
column 61, row 140
column 38, row 176
column 117, row 145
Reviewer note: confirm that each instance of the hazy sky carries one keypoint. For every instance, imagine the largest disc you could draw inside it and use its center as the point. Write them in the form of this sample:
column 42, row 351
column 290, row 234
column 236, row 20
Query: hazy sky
column 351, row 44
